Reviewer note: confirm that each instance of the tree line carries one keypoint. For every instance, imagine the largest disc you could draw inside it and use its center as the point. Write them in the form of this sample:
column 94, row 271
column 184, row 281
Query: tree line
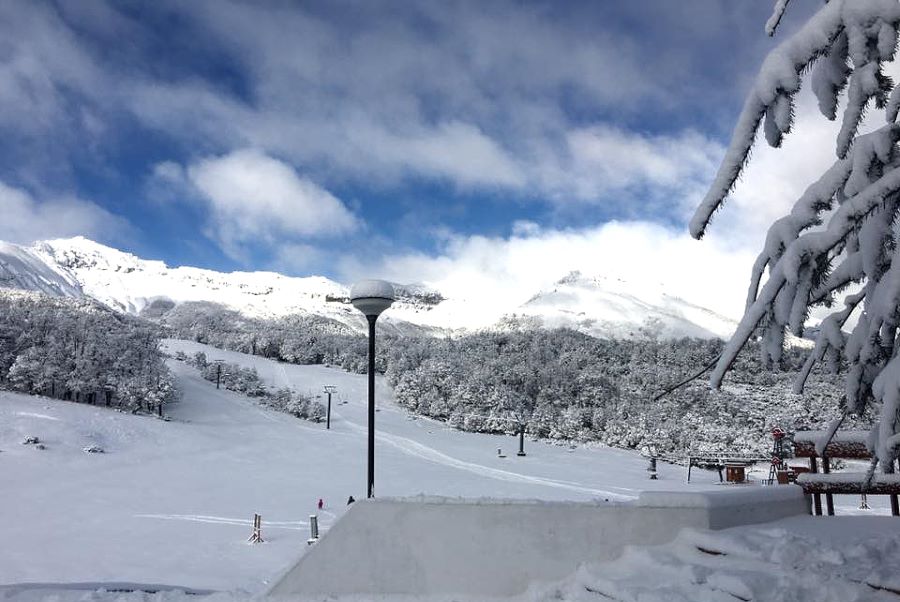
column 561, row 384
column 81, row 351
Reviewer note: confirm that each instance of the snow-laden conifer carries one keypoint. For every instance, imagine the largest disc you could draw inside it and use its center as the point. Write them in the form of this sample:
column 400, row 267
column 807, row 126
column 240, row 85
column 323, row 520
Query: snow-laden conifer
column 841, row 231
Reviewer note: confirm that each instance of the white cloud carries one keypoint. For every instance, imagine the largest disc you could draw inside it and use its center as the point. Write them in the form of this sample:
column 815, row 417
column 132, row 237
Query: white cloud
column 504, row 96
column 498, row 273
column 256, row 200
column 297, row 258
column 169, row 172
column 475, row 98
column 481, row 97
column 456, row 151
column 775, row 178
column 602, row 161
column 42, row 59
column 24, row 219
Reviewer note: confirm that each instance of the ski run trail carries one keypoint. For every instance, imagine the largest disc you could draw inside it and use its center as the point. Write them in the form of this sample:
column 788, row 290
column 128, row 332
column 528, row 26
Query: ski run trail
column 172, row 502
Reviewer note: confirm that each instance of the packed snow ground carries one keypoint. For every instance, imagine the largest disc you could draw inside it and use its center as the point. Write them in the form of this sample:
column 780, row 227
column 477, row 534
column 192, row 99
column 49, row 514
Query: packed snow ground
column 172, row 502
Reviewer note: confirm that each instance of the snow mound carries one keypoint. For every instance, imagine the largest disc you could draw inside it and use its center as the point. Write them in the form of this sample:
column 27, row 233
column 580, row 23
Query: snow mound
column 795, row 559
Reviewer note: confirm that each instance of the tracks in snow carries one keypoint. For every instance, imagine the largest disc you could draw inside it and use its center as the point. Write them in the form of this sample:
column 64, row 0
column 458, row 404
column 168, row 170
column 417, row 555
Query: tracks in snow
column 294, row 525
column 418, row 450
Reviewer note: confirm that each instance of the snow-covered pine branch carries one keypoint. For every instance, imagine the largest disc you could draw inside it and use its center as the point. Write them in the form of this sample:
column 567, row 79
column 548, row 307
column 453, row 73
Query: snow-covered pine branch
column 863, row 31
column 845, row 45
column 775, row 19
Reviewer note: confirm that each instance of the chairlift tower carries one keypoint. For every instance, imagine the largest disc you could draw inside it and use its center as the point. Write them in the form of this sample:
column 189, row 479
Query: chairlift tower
column 777, row 464
column 329, row 389
column 521, row 451
column 652, row 455
column 219, row 364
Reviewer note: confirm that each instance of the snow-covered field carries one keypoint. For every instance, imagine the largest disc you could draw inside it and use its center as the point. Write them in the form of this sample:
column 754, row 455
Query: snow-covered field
column 171, row 502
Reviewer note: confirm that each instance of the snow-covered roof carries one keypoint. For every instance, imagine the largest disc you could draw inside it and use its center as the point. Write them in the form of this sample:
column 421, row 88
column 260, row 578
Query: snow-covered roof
column 847, row 477
column 815, row 437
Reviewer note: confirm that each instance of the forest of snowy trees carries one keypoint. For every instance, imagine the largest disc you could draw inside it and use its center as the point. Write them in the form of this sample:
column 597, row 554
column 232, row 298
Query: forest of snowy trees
column 297, row 339
column 81, row 351
column 562, row 384
column 568, row 386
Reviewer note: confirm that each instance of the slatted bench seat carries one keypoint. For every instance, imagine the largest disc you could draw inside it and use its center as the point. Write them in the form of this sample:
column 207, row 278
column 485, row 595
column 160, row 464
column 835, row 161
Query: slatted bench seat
column 848, row 445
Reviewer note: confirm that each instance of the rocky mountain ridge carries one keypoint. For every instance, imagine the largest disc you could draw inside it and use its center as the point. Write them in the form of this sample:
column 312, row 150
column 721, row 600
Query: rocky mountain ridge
column 596, row 305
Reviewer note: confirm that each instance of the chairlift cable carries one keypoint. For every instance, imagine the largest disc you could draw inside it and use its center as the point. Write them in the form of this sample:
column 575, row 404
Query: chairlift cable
column 705, row 369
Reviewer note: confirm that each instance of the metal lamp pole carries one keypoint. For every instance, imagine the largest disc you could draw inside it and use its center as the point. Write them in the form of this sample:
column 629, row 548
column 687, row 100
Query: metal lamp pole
column 371, row 372
column 371, row 297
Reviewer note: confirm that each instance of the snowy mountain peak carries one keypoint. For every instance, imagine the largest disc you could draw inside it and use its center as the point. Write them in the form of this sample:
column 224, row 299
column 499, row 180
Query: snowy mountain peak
column 22, row 268
column 81, row 253
column 418, row 295
column 608, row 306
column 571, row 277
column 599, row 305
column 130, row 284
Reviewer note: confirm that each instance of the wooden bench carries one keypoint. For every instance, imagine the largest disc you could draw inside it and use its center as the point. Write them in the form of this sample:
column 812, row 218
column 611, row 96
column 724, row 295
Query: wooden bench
column 720, row 462
column 848, row 445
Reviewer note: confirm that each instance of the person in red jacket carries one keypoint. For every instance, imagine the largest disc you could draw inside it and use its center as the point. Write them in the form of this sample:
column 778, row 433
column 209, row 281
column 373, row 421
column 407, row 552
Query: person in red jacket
column 321, row 503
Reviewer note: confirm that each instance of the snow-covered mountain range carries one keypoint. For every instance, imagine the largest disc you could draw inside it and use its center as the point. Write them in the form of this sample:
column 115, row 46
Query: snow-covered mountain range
column 605, row 306
column 596, row 305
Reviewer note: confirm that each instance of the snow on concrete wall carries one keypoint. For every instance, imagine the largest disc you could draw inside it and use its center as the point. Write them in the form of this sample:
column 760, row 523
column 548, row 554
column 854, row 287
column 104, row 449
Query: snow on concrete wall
column 732, row 506
column 419, row 546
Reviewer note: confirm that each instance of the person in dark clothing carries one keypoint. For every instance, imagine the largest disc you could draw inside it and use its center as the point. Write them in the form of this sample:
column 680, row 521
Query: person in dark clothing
column 350, row 500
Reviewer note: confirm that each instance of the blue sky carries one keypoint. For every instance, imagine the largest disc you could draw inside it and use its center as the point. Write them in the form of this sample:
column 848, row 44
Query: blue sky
column 343, row 138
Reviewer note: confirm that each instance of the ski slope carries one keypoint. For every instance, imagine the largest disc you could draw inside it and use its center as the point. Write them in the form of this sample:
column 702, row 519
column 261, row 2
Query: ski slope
column 171, row 503
column 450, row 462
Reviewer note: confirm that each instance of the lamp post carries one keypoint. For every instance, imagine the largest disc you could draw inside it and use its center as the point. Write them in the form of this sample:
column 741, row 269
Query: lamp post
column 371, row 297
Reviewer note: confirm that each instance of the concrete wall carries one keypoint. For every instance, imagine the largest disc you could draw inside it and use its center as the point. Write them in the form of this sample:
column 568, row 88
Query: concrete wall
column 733, row 506
column 423, row 546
